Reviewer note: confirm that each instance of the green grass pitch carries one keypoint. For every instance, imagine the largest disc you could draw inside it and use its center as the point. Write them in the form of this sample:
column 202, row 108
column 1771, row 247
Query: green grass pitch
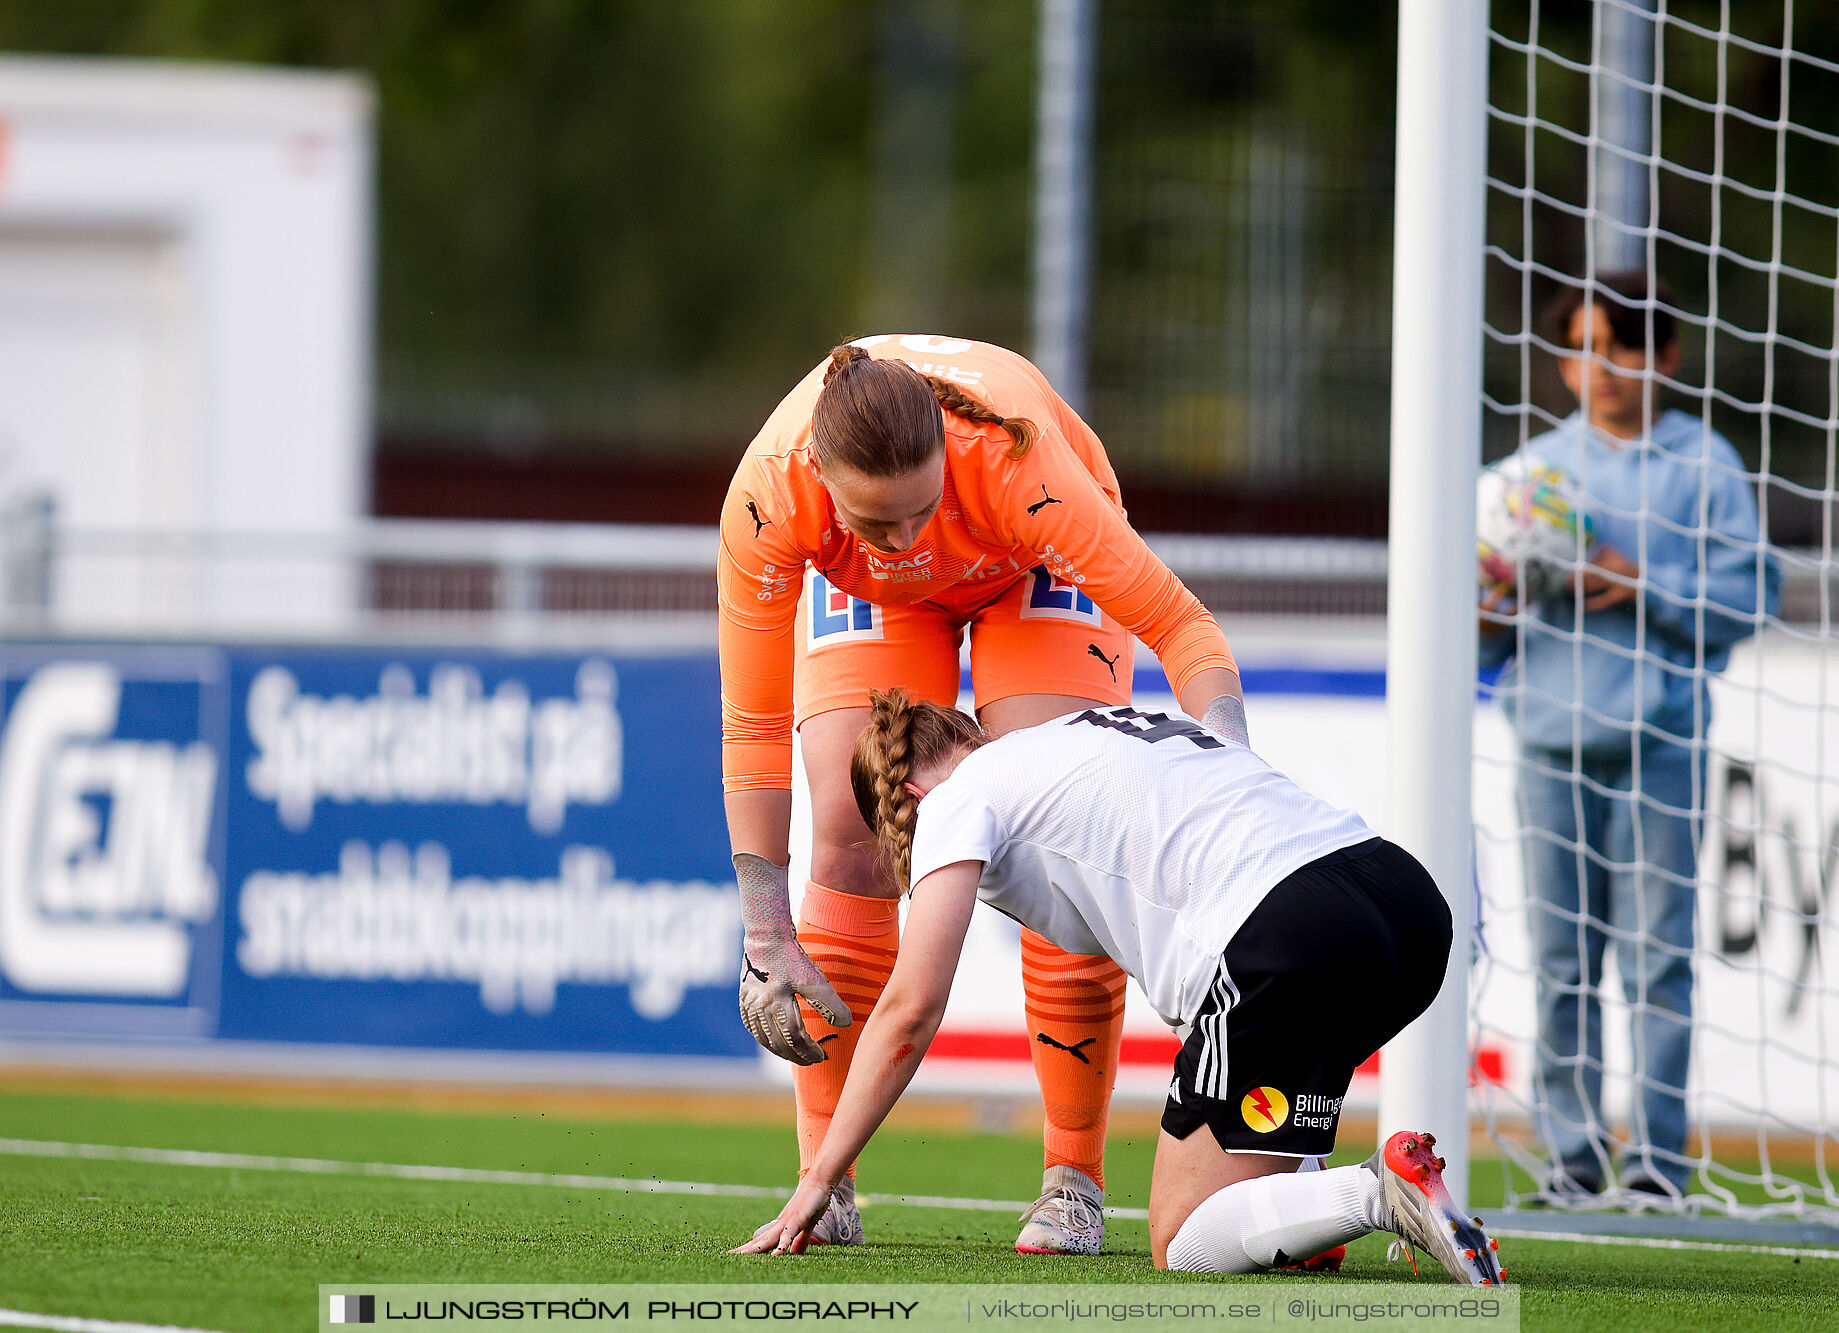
column 246, row 1249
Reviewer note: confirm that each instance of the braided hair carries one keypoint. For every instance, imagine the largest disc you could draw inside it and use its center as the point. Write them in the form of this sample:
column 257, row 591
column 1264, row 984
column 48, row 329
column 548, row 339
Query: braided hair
column 882, row 417
column 953, row 399
column 902, row 737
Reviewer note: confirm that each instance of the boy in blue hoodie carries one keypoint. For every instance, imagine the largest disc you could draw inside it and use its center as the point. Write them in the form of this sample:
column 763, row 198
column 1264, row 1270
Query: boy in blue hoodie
column 1606, row 686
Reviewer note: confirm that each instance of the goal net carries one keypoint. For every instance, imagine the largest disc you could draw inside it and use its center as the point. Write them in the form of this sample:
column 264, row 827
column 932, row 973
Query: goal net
column 1657, row 789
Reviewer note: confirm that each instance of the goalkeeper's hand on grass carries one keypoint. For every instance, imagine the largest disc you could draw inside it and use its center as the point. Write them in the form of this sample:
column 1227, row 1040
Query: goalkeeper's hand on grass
column 775, row 970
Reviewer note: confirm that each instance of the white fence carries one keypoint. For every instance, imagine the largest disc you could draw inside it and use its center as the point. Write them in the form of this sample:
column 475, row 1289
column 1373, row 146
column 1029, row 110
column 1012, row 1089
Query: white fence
column 516, row 582
column 506, row 581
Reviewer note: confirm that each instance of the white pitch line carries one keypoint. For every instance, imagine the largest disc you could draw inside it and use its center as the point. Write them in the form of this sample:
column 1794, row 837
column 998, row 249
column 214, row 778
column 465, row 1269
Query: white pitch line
column 71, row 1324
column 395, row 1170
column 555, row 1180
column 474, row 1176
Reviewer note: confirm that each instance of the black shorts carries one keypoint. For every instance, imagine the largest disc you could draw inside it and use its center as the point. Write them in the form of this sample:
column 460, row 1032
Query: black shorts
column 1333, row 964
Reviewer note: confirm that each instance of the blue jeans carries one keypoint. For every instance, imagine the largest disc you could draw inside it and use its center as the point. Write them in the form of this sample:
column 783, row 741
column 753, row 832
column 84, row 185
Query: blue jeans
column 1605, row 863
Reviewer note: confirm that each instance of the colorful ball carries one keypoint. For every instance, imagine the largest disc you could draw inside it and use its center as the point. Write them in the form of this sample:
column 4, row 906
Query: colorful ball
column 1530, row 533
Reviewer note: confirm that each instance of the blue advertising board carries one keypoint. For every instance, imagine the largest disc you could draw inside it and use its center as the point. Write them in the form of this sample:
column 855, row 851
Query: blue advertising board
column 463, row 850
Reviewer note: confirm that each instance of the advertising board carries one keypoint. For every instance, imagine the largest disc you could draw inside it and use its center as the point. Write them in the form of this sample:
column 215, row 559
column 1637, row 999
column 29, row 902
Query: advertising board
column 460, row 850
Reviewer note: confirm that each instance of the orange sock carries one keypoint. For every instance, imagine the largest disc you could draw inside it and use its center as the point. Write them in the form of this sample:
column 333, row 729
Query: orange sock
column 853, row 941
column 1076, row 1017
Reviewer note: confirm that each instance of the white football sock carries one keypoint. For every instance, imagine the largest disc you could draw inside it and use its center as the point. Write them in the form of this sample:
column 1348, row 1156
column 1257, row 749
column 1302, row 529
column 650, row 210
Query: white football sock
column 1270, row 1221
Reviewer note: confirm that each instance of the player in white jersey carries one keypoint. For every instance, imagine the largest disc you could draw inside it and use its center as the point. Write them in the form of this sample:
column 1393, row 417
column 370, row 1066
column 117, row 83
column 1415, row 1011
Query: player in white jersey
column 1287, row 938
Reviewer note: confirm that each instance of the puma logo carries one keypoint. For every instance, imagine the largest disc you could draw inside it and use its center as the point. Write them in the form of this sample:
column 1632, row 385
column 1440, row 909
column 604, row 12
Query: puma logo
column 749, row 970
column 1073, row 1050
column 829, row 1036
column 1044, row 501
column 1110, row 662
column 759, row 524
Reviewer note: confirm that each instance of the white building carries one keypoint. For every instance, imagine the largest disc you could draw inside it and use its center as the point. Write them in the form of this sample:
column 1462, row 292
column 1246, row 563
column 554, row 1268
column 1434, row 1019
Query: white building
column 185, row 340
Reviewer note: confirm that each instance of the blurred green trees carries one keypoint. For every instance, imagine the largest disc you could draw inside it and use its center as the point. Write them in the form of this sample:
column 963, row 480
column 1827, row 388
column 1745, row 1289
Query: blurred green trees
column 620, row 228
column 620, row 224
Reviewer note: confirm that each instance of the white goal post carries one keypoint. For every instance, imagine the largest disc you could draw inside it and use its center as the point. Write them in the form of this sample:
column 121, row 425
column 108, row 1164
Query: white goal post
column 1436, row 448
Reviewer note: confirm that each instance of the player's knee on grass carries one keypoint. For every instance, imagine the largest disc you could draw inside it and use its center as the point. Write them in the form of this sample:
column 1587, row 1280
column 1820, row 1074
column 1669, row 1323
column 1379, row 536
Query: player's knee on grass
column 1164, row 1224
column 1189, row 1171
column 1208, row 1238
column 1274, row 1221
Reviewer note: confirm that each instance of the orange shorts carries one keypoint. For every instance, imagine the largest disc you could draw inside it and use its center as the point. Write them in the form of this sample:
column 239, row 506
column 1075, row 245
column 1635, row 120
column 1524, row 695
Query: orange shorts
column 1029, row 635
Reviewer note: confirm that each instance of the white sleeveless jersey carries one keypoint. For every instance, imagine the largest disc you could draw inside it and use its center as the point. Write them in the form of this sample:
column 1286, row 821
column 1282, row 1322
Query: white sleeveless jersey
column 1136, row 835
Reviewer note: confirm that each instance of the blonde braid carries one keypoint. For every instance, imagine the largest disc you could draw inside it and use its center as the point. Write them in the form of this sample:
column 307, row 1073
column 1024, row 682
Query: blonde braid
column 902, row 737
column 896, row 809
column 953, row 399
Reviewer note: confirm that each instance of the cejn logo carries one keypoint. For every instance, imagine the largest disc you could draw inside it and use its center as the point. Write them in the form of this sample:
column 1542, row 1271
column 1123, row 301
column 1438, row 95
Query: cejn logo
column 104, row 843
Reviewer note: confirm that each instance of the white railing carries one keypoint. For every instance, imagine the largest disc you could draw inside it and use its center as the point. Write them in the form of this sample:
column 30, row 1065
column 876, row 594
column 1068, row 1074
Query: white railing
column 502, row 580
column 520, row 582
